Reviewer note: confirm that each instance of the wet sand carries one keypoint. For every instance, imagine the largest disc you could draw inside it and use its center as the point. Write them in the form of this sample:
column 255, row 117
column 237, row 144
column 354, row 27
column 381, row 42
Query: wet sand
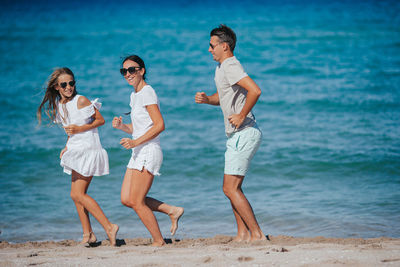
column 214, row 251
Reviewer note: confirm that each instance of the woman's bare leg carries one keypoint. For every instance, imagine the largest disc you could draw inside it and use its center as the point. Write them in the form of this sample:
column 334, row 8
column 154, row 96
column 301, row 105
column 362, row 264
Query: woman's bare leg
column 232, row 189
column 79, row 188
column 173, row 212
column 134, row 189
column 83, row 214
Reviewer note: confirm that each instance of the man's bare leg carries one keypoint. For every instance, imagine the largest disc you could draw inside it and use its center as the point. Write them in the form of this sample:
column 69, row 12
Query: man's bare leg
column 232, row 189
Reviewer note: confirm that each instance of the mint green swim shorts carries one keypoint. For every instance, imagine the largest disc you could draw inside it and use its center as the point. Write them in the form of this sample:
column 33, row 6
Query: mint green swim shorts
column 240, row 149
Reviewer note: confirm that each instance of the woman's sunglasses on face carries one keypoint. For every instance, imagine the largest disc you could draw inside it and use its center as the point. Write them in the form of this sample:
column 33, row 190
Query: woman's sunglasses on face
column 64, row 84
column 131, row 70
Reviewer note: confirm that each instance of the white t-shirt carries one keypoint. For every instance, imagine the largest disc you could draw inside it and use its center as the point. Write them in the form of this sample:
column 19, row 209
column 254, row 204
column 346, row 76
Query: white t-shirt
column 232, row 97
column 141, row 121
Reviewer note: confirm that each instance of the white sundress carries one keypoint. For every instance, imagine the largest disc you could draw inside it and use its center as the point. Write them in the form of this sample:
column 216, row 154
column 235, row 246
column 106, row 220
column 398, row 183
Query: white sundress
column 84, row 154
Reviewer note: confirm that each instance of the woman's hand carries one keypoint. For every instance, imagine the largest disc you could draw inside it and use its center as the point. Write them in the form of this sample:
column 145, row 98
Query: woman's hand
column 62, row 152
column 117, row 122
column 72, row 129
column 128, row 143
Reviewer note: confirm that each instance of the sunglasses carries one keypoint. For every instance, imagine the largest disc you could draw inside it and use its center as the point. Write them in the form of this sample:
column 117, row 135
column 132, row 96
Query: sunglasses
column 214, row 46
column 131, row 70
column 64, row 84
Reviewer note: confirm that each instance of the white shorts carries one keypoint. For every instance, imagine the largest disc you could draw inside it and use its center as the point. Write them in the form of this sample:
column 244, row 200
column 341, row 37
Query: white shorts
column 146, row 156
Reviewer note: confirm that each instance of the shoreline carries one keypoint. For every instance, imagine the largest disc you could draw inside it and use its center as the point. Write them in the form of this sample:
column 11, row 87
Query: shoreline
column 214, row 251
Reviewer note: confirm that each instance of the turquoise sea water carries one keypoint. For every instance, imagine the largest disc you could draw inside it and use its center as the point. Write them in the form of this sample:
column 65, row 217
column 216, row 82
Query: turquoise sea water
column 329, row 110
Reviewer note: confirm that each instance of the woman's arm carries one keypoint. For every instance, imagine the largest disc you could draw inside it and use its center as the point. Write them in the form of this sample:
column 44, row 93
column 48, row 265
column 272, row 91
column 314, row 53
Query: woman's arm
column 64, row 149
column 98, row 119
column 117, row 124
column 154, row 131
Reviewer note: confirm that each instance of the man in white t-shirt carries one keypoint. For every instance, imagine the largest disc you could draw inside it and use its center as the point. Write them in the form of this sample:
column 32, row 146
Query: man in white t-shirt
column 236, row 94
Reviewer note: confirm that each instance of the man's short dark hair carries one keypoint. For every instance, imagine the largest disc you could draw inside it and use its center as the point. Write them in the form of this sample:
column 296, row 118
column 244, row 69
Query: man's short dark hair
column 225, row 34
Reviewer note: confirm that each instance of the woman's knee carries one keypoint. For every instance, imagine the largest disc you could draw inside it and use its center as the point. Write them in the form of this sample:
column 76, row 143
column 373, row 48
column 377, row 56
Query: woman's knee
column 77, row 197
column 131, row 203
column 126, row 202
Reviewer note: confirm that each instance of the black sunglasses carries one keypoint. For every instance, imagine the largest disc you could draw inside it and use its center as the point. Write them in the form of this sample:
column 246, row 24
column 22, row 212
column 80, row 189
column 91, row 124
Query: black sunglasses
column 64, row 84
column 131, row 70
column 214, row 46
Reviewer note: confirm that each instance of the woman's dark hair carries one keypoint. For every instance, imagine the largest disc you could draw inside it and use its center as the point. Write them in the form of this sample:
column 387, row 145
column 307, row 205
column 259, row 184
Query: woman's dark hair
column 52, row 96
column 138, row 60
column 225, row 35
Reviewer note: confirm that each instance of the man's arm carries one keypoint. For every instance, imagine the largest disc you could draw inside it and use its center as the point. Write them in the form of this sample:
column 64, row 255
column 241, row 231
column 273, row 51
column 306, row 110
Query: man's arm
column 202, row 98
column 253, row 93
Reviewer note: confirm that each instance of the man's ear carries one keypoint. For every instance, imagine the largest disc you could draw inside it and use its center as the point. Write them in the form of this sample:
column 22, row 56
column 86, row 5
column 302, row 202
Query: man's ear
column 225, row 46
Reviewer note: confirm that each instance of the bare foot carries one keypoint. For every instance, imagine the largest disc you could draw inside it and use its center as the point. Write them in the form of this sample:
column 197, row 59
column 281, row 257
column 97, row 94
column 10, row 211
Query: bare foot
column 258, row 237
column 175, row 215
column 158, row 243
column 88, row 239
column 243, row 237
column 93, row 238
column 112, row 234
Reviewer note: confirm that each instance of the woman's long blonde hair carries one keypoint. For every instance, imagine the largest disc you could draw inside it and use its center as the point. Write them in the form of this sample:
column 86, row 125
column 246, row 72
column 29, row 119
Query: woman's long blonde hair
column 52, row 96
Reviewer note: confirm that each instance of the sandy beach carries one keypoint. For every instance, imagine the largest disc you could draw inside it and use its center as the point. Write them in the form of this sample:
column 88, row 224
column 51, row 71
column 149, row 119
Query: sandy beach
column 215, row 251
